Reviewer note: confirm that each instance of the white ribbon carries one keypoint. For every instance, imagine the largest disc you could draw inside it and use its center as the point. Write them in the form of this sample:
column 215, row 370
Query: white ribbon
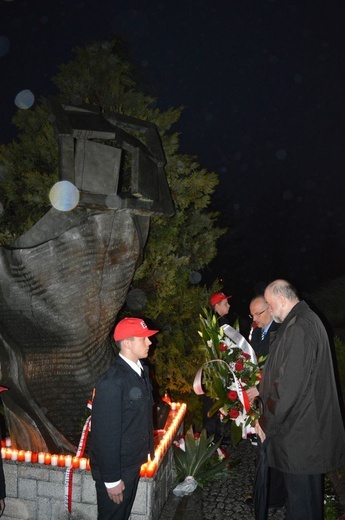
column 240, row 341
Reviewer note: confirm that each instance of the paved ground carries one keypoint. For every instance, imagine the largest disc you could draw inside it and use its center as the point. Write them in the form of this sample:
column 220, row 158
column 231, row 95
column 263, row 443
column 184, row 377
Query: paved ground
column 223, row 500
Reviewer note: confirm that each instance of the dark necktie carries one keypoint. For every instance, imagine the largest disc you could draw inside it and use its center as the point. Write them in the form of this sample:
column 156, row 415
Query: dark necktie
column 142, row 372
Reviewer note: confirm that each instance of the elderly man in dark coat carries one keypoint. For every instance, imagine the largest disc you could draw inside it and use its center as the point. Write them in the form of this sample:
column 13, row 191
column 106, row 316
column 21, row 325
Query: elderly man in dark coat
column 301, row 419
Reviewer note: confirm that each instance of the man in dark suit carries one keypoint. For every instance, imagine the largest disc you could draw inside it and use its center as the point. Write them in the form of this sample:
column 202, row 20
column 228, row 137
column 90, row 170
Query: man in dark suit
column 121, row 424
column 261, row 335
column 260, row 341
column 264, row 326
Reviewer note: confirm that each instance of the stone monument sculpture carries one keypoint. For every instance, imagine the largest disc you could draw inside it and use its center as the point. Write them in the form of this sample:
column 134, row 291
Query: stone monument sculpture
column 65, row 280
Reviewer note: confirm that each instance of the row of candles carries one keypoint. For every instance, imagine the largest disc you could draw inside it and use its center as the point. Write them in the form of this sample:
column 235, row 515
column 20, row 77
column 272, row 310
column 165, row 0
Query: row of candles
column 178, row 411
column 45, row 458
column 148, row 469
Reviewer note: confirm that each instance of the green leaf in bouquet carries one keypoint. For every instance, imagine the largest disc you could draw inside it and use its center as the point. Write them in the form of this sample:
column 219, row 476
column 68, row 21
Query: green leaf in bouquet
column 199, row 460
column 205, row 451
column 214, row 471
column 180, row 458
column 215, row 407
column 236, row 432
column 220, row 385
column 191, row 449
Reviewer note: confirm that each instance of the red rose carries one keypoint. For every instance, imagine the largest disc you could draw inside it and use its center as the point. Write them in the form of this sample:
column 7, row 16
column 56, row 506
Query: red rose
column 232, row 395
column 238, row 366
column 233, row 414
column 223, row 347
column 245, row 355
column 196, row 435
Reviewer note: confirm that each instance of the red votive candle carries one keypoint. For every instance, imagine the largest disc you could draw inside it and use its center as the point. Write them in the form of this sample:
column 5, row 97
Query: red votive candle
column 143, row 469
column 47, row 459
column 61, row 460
column 151, row 469
column 21, row 455
column 34, row 457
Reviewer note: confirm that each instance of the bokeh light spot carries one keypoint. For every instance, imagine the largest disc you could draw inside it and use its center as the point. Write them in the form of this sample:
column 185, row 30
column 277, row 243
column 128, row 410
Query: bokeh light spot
column 281, row 154
column 136, row 299
column 24, row 99
column 4, row 45
column 64, row 196
column 77, row 100
column 195, row 277
column 287, row 195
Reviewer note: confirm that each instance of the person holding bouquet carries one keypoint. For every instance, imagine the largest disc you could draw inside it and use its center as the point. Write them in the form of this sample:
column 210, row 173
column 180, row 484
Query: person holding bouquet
column 261, row 337
column 301, row 422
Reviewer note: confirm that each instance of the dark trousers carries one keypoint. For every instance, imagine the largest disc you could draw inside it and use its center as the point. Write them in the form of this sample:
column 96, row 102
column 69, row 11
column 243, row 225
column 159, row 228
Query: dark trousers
column 276, row 486
column 107, row 509
column 277, row 491
column 304, row 496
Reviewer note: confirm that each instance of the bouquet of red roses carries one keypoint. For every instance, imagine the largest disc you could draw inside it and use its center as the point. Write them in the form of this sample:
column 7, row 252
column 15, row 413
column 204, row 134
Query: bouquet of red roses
column 229, row 369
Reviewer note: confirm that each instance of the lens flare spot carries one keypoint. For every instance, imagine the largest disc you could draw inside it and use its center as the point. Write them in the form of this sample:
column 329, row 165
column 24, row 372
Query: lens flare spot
column 4, row 45
column 281, row 154
column 64, row 196
column 24, row 99
column 194, row 277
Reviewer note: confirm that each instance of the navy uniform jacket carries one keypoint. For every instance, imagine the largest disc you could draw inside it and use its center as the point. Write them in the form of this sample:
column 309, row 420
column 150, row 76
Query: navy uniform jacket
column 301, row 413
column 2, row 481
column 121, row 423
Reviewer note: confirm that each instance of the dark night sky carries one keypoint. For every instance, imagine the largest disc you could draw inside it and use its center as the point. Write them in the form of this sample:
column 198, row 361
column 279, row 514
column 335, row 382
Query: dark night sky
column 263, row 84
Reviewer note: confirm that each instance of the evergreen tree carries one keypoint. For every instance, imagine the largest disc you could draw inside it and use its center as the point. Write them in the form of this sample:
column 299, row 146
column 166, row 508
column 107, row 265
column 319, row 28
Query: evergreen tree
column 101, row 75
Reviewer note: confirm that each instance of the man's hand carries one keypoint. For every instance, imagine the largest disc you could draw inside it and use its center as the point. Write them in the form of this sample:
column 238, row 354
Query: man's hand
column 2, row 506
column 115, row 493
column 252, row 392
column 260, row 432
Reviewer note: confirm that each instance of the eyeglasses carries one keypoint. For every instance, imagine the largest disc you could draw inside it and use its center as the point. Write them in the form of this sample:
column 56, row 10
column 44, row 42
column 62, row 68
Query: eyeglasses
column 257, row 313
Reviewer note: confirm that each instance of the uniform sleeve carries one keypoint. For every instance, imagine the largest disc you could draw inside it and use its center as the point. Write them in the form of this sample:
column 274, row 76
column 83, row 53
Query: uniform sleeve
column 2, row 481
column 106, row 429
